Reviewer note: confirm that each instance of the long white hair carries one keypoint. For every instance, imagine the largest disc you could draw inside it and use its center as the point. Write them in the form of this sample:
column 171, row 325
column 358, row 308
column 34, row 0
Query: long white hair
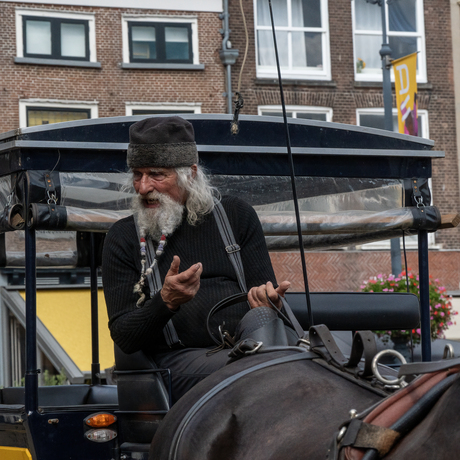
column 200, row 193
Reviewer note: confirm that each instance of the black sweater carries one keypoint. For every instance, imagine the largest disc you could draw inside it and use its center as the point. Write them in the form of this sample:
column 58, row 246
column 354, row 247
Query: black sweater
column 134, row 328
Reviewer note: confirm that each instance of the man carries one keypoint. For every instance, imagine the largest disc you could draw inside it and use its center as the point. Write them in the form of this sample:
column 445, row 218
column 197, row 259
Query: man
column 173, row 210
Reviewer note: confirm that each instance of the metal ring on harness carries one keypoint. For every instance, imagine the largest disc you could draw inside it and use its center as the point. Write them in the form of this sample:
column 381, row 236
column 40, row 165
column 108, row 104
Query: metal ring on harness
column 379, row 376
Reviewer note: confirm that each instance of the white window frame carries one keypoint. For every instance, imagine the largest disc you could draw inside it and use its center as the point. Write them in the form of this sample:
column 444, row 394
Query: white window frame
column 301, row 74
column 411, row 241
column 420, row 34
column 192, row 20
column 173, row 107
column 295, row 109
column 89, row 17
column 24, row 104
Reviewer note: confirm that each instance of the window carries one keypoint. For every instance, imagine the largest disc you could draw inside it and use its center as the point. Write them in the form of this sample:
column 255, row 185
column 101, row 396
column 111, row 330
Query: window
column 307, row 113
column 405, row 32
column 160, row 42
column 158, row 109
column 374, row 118
column 302, row 37
column 36, row 112
column 46, row 37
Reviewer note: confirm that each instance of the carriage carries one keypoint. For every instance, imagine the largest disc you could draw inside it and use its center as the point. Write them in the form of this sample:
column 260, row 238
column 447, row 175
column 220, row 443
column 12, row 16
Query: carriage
column 354, row 185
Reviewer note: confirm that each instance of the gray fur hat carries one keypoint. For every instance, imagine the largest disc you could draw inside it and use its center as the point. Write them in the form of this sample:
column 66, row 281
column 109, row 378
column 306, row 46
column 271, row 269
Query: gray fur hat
column 163, row 142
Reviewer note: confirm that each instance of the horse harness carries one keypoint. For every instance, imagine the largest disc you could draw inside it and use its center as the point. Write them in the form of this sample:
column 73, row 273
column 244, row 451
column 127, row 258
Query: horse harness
column 372, row 434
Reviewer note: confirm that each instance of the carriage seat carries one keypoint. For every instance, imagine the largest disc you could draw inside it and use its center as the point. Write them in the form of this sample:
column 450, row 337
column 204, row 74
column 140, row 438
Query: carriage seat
column 357, row 311
column 143, row 399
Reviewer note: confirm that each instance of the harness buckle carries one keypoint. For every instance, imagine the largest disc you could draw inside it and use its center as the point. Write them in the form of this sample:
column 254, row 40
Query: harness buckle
column 232, row 248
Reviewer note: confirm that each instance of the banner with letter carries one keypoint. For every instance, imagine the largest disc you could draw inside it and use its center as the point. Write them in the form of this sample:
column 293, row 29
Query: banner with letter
column 405, row 70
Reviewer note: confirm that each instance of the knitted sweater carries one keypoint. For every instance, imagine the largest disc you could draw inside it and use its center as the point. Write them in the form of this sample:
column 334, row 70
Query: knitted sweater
column 134, row 328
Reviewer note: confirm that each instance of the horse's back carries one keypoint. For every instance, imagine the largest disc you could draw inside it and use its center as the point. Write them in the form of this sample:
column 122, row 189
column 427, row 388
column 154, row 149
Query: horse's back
column 282, row 411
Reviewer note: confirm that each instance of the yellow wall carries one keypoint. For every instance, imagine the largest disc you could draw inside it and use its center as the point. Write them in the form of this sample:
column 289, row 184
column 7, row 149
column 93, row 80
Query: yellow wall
column 66, row 313
column 14, row 453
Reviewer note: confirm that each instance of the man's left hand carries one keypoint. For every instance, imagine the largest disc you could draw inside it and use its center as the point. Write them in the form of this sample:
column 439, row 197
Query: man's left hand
column 257, row 296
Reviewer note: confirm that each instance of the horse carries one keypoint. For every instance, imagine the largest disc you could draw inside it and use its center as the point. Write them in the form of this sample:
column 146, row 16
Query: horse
column 287, row 404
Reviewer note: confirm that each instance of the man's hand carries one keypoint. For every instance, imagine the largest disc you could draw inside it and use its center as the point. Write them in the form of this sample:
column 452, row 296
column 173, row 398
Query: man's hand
column 179, row 288
column 257, row 296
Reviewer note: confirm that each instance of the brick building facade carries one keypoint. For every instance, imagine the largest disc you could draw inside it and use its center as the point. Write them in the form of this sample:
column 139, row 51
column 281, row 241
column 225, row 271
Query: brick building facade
column 111, row 77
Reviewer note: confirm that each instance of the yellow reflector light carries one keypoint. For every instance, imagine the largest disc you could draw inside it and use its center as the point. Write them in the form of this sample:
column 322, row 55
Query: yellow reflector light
column 101, row 435
column 100, row 420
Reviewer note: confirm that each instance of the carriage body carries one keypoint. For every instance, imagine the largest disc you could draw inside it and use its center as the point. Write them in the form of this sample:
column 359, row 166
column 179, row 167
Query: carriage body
column 49, row 422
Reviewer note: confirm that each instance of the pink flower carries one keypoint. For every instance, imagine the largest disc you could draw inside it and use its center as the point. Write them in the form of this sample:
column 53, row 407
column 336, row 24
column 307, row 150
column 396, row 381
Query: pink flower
column 442, row 313
column 418, row 331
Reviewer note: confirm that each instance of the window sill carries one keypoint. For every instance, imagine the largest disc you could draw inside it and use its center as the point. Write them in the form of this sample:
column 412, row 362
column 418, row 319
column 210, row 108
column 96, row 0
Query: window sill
column 379, row 84
column 162, row 66
column 57, row 62
column 274, row 81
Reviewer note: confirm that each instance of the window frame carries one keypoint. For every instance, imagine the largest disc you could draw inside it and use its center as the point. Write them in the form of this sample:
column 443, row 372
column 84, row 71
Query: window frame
column 172, row 108
column 161, row 43
column 301, row 74
column 192, row 21
column 26, row 104
column 411, row 242
column 419, row 34
column 55, row 18
column 296, row 109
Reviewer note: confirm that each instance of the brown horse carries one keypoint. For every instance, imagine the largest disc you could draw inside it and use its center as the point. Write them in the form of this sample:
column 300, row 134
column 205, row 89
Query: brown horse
column 284, row 405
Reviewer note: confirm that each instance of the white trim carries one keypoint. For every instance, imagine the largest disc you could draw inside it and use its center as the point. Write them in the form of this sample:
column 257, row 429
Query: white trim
column 39, row 12
column 176, row 5
column 296, row 109
column 306, row 73
column 192, row 20
column 173, row 106
column 54, row 103
column 421, row 44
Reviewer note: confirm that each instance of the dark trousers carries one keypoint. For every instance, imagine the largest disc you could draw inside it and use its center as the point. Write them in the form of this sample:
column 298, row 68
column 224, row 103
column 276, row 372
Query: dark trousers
column 191, row 365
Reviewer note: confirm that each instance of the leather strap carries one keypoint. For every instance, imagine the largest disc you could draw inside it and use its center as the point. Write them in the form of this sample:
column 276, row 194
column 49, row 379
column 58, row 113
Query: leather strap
column 231, row 247
column 427, row 367
column 323, row 342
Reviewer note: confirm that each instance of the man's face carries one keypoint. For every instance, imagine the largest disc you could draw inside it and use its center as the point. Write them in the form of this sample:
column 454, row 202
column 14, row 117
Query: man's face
column 161, row 180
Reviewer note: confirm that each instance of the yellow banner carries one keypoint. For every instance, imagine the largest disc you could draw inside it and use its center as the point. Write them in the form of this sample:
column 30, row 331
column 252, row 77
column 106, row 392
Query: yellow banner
column 405, row 70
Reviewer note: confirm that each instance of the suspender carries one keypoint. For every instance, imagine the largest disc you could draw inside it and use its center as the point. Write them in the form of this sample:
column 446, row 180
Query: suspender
column 233, row 252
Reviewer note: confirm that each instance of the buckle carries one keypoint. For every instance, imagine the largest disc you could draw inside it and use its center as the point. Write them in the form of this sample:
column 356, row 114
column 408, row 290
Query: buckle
column 232, row 248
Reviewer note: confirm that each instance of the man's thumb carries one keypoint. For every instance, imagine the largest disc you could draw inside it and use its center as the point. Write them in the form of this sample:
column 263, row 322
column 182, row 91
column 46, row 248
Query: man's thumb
column 174, row 269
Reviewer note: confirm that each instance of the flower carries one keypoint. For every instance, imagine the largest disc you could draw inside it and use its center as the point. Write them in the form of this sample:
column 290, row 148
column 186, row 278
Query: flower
column 360, row 65
column 440, row 303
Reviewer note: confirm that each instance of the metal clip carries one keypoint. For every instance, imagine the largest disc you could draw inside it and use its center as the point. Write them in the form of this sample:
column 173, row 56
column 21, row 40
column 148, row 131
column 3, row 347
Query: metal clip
column 52, row 198
column 419, row 201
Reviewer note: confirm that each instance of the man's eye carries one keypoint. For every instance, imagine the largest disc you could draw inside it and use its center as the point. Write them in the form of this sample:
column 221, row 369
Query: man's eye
column 137, row 176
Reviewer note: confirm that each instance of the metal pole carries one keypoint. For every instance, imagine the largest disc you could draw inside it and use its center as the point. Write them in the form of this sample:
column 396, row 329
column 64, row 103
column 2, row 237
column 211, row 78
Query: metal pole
column 31, row 377
column 95, row 366
column 385, row 53
column 424, row 283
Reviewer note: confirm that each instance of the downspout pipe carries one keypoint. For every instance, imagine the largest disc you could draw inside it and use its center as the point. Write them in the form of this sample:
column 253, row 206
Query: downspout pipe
column 227, row 55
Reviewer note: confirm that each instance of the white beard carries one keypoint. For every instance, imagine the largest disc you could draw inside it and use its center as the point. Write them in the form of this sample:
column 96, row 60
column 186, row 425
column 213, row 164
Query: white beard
column 154, row 222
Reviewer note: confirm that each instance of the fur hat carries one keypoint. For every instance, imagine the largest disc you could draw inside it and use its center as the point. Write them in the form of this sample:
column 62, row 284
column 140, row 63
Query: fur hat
column 162, row 142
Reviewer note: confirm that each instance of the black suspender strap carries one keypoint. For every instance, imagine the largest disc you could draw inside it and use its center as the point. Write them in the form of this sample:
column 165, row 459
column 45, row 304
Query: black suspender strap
column 231, row 247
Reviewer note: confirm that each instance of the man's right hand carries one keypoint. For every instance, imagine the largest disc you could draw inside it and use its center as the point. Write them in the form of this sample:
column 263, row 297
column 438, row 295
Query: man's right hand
column 179, row 288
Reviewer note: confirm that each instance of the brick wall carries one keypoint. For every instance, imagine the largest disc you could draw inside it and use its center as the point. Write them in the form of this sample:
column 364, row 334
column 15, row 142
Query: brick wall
column 110, row 85
column 346, row 270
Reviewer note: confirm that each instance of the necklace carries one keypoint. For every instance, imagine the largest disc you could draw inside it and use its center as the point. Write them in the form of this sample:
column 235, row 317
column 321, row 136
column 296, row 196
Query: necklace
column 139, row 286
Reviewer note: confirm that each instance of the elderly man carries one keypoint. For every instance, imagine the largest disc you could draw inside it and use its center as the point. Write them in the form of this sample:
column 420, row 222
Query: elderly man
column 173, row 218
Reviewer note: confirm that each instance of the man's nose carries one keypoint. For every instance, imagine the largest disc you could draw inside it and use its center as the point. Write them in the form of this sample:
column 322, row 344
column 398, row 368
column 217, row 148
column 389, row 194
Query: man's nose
column 146, row 185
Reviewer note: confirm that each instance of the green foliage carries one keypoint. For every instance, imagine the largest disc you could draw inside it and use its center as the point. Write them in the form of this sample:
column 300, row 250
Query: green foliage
column 51, row 379
column 440, row 303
